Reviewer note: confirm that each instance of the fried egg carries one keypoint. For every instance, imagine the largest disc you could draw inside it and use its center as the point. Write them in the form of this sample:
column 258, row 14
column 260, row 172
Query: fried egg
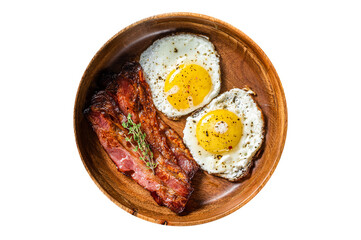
column 183, row 73
column 225, row 135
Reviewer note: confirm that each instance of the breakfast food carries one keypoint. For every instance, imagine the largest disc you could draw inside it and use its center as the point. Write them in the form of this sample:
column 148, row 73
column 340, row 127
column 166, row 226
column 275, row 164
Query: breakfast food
column 139, row 142
column 224, row 136
column 183, row 73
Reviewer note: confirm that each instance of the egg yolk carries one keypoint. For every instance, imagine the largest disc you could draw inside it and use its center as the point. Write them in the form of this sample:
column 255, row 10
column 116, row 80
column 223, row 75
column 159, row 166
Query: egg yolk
column 219, row 131
column 187, row 86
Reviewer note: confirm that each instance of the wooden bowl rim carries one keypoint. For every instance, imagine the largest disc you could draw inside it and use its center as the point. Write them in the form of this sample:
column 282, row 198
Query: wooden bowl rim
column 263, row 57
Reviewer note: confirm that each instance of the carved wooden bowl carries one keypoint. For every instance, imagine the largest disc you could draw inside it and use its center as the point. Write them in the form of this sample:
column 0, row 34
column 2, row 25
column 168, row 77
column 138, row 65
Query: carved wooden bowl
column 243, row 63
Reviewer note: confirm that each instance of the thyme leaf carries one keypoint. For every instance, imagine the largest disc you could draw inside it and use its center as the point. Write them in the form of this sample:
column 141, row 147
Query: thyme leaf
column 138, row 136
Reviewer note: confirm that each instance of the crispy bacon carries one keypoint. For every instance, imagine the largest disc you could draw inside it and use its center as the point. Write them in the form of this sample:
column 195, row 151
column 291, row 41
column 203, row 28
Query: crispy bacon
column 180, row 151
column 170, row 184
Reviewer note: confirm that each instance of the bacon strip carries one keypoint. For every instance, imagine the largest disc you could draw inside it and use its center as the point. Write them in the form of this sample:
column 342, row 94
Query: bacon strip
column 164, row 137
column 181, row 152
column 170, row 183
column 102, row 117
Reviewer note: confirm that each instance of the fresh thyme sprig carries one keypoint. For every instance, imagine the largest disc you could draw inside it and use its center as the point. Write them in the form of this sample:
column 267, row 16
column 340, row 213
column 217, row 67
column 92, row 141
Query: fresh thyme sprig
column 139, row 138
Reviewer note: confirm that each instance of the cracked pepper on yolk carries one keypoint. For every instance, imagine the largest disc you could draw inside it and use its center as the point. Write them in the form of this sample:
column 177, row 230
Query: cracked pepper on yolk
column 219, row 131
column 187, row 86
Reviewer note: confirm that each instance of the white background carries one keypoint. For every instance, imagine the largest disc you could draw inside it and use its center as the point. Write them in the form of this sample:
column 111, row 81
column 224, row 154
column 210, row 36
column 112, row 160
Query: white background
column 45, row 190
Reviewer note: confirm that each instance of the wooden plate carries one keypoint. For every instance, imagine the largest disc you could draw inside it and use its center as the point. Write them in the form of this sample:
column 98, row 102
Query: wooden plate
column 243, row 63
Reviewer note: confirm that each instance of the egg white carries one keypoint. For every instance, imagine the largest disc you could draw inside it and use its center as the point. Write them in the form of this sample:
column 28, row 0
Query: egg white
column 234, row 164
column 166, row 54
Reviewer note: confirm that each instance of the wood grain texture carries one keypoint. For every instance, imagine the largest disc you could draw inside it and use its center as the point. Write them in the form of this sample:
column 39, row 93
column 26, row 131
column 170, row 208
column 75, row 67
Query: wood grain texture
column 243, row 63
